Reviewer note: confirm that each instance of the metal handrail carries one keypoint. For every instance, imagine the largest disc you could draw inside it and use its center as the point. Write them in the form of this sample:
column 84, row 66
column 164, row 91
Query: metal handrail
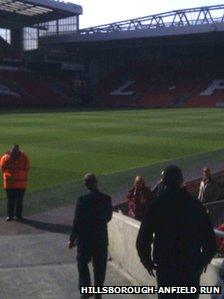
column 211, row 203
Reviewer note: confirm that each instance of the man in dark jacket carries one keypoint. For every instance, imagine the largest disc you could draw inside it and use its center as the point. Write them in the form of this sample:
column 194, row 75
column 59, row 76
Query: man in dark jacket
column 92, row 213
column 160, row 186
column 209, row 189
column 184, row 241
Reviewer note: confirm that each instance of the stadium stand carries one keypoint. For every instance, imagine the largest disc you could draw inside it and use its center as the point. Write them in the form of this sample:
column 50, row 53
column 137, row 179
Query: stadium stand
column 21, row 25
column 154, row 61
column 212, row 98
column 172, row 83
column 27, row 89
column 181, row 54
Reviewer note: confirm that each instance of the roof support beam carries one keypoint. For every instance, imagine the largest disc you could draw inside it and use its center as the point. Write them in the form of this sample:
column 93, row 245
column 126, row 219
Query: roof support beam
column 185, row 17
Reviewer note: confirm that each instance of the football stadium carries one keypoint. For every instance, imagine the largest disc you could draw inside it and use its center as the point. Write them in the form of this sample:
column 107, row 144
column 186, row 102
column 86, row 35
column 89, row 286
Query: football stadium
column 120, row 100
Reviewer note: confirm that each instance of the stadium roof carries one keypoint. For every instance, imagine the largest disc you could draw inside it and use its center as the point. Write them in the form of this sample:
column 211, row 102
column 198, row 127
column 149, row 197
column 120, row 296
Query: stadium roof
column 21, row 13
column 192, row 21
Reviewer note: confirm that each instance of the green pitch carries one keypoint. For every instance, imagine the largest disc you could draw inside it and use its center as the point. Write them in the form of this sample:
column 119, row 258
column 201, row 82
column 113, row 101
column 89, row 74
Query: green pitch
column 63, row 146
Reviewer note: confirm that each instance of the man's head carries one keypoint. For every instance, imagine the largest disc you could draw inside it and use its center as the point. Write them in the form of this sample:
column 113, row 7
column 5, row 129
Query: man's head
column 206, row 173
column 173, row 177
column 90, row 181
column 15, row 151
column 139, row 182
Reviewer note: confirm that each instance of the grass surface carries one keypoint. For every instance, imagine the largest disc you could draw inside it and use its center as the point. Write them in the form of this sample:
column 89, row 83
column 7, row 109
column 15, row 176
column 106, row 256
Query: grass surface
column 63, row 146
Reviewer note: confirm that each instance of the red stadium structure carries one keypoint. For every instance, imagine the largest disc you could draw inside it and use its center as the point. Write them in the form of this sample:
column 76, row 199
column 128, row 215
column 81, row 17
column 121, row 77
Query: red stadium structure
column 28, row 76
column 171, row 59
column 188, row 83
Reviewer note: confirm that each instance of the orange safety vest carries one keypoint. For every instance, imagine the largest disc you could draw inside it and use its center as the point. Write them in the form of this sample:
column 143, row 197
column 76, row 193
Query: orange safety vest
column 15, row 172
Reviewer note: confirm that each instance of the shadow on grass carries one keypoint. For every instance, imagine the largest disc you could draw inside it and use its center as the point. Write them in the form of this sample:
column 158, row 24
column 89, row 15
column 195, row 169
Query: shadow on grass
column 68, row 109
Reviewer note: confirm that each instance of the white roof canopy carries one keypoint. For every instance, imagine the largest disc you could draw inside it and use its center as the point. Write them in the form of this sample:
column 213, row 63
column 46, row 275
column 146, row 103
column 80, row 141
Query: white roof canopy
column 22, row 8
column 27, row 12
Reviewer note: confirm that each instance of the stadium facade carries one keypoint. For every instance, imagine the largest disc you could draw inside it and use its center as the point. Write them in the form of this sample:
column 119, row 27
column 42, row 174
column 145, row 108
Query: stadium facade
column 27, row 20
column 122, row 52
column 118, row 62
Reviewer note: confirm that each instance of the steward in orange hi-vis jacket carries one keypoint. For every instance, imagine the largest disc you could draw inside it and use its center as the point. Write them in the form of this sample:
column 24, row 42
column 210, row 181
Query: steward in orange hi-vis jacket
column 15, row 166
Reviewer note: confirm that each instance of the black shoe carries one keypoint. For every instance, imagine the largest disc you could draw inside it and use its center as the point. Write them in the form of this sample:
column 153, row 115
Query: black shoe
column 9, row 219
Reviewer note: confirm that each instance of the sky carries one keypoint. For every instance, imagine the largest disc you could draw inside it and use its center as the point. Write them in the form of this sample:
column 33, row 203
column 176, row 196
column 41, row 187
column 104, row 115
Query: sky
column 98, row 12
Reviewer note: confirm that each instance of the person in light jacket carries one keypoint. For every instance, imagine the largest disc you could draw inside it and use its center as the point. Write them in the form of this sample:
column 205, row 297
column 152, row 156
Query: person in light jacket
column 209, row 189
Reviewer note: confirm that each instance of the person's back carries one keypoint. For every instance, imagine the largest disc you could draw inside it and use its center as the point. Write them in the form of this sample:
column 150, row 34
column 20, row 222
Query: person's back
column 181, row 228
column 184, row 242
column 92, row 213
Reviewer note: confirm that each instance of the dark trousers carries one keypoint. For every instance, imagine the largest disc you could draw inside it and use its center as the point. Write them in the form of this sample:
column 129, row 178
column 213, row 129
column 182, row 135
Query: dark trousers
column 168, row 276
column 15, row 202
column 99, row 260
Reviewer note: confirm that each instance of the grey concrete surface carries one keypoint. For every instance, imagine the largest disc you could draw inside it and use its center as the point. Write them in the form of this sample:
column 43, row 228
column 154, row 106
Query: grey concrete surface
column 36, row 264
column 32, row 250
column 39, row 266
column 50, row 282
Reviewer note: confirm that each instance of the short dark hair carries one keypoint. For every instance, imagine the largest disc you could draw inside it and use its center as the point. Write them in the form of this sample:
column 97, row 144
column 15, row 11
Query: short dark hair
column 15, row 146
column 173, row 176
column 206, row 169
column 90, row 180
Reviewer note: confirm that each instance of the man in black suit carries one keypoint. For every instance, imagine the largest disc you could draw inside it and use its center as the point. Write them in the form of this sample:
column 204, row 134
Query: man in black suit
column 183, row 240
column 92, row 213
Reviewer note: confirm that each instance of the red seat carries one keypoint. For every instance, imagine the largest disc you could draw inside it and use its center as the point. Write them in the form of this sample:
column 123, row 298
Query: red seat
column 23, row 88
column 171, row 83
